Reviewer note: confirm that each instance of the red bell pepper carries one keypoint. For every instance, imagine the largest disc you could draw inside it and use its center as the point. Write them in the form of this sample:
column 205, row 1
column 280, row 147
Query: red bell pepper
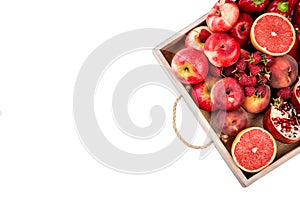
column 283, row 7
column 252, row 6
column 295, row 51
column 296, row 19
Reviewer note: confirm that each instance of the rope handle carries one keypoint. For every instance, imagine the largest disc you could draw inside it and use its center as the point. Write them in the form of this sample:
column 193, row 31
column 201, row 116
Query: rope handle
column 178, row 133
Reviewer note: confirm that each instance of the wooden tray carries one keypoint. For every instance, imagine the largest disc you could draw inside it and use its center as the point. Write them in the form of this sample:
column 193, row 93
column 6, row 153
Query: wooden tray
column 164, row 53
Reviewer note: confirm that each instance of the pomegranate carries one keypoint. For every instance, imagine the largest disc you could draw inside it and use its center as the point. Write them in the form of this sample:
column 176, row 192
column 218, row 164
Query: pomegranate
column 282, row 121
column 296, row 95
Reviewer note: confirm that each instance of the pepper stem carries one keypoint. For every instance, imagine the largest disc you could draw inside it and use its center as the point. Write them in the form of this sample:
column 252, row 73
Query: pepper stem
column 283, row 6
column 258, row 2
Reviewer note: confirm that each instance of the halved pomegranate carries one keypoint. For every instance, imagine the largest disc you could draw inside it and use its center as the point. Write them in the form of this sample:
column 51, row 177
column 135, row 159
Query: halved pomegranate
column 282, row 121
column 296, row 95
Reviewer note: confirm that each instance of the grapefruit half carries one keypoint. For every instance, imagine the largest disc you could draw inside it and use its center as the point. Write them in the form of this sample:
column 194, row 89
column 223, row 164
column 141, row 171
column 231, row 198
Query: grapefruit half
column 273, row 34
column 253, row 149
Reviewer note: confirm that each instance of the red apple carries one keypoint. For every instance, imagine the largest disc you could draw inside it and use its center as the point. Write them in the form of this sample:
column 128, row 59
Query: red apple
column 222, row 50
column 241, row 30
column 201, row 93
column 190, row 65
column 284, row 71
column 227, row 94
column 197, row 37
column 230, row 122
column 257, row 102
column 222, row 16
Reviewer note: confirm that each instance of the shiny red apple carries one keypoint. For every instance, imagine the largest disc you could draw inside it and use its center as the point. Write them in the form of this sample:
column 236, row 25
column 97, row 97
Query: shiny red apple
column 190, row 65
column 227, row 94
column 241, row 30
column 223, row 16
column 222, row 50
column 201, row 93
column 230, row 122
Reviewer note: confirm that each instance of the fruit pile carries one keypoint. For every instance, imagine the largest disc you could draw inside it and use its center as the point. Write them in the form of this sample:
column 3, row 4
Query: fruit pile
column 244, row 61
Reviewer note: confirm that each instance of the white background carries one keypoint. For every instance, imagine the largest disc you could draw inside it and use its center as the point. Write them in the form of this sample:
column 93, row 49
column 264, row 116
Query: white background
column 42, row 47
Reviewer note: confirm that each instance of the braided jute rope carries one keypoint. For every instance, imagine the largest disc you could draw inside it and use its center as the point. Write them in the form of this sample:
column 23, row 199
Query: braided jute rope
column 178, row 133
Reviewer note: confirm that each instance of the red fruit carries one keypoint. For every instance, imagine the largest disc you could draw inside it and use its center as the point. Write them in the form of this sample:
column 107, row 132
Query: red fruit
column 190, row 65
column 197, row 37
column 259, row 101
column 253, row 149
column 253, row 80
column 255, row 58
column 243, row 78
column 244, row 54
column 241, row 64
column 295, row 51
column 273, row 34
column 223, row 16
column 241, row 30
column 283, row 7
column 262, row 80
column 222, row 50
column 284, row 93
column 246, row 80
column 262, row 90
column 268, row 60
column 296, row 17
column 253, row 6
column 284, row 71
column 215, row 71
column 296, row 96
column 229, row 71
column 204, row 34
column 230, row 122
column 249, row 91
column 254, row 69
column 282, row 121
column 227, row 94
column 201, row 94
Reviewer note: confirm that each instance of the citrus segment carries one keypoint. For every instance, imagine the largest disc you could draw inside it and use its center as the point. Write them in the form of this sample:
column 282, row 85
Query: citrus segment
column 253, row 149
column 273, row 34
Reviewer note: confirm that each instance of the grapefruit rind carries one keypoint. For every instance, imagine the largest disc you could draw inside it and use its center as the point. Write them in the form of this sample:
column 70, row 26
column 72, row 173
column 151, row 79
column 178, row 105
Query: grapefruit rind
column 237, row 140
column 264, row 49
